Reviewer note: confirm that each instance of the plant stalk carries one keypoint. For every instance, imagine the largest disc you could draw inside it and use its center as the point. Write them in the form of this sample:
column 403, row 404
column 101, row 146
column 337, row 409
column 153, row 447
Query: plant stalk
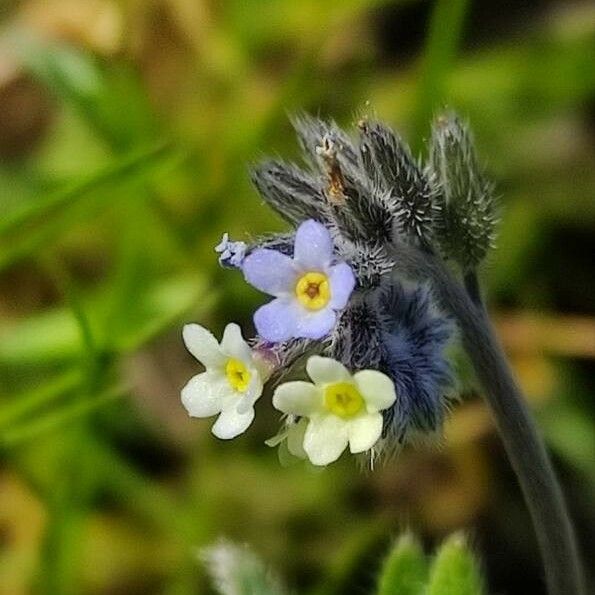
column 523, row 443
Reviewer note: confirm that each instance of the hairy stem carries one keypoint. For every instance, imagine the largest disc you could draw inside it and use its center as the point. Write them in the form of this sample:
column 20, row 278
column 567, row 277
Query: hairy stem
column 522, row 441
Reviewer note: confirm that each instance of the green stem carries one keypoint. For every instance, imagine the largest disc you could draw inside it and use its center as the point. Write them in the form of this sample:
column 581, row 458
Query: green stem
column 522, row 441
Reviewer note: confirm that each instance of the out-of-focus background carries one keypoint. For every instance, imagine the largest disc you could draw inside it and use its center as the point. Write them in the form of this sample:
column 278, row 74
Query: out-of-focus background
column 126, row 131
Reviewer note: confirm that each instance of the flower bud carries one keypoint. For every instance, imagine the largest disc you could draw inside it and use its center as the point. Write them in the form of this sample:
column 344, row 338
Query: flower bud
column 467, row 216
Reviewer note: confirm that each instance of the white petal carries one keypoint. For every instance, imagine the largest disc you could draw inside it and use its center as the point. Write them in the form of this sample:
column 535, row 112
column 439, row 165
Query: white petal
column 203, row 345
column 313, row 248
column 295, row 438
column 325, row 439
column 377, row 389
column 325, row 370
column 204, row 394
column 232, row 423
column 233, row 344
column 252, row 394
column 364, row 432
column 298, row 398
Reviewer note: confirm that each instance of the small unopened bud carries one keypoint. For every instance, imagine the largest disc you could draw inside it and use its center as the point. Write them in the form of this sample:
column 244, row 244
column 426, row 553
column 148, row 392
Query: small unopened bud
column 231, row 254
column 467, row 215
column 387, row 160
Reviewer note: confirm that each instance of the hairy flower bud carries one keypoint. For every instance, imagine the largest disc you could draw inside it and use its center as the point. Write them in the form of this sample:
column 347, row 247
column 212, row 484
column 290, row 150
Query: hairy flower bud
column 357, row 338
column 291, row 192
column 415, row 337
column 387, row 160
column 466, row 221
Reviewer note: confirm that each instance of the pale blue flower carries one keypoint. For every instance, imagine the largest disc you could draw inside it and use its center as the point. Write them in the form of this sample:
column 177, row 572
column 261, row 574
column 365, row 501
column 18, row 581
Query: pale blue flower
column 309, row 288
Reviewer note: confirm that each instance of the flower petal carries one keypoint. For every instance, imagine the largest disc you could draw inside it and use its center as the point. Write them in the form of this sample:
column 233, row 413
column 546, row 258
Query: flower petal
column 203, row 345
column 204, row 394
column 325, row 439
column 295, row 438
column 270, row 271
column 232, row 423
column 313, row 249
column 314, row 325
column 364, row 432
column 253, row 392
column 377, row 389
column 342, row 282
column 277, row 320
column 326, row 370
column 233, row 344
column 297, row 397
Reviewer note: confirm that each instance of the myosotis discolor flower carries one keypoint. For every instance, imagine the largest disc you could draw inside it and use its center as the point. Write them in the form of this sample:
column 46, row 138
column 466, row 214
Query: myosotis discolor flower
column 363, row 280
column 309, row 288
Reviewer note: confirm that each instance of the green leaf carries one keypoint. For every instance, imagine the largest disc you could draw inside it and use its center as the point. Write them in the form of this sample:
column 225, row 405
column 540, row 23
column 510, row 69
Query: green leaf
column 405, row 570
column 455, row 571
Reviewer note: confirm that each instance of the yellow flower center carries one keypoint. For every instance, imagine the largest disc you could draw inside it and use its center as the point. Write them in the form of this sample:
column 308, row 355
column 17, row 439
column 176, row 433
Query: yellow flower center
column 237, row 374
column 313, row 290
column 343, row 399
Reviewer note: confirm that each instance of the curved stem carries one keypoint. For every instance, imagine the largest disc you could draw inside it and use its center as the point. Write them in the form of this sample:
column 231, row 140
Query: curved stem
column 472, row 286
column 522, row 441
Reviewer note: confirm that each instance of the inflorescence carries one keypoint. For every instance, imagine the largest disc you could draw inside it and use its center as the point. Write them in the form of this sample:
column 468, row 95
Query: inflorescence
column 373, row 342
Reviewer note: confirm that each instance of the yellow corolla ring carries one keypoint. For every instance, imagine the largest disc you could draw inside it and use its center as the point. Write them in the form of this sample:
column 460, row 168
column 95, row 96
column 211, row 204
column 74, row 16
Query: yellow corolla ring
column 343, row 399
column 237, row 374
column 313, row 290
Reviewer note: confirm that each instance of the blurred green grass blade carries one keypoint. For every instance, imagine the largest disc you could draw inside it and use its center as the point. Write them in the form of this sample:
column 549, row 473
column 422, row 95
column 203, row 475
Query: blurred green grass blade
column 571, row 434
column 134, row 165
column 165, row 305
column 405, row 570
column 108, row 96
column 46, row 338
column 444, row 36
column 59, row 418
column 72, row 297
column 60, row 563
column 455, row 570
column 56, row 213
column 132, row 276
column 141, row 496
column 356, row 560
column 50, row 391
column 68, row 503
column 54, row 336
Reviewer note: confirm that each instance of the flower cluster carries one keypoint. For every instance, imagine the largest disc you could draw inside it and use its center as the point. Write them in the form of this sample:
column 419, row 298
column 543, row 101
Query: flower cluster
column 373, row 342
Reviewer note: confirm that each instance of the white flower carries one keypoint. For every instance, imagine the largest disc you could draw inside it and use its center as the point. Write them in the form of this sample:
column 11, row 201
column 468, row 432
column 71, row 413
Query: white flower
column 342, row 409
column 231, row 383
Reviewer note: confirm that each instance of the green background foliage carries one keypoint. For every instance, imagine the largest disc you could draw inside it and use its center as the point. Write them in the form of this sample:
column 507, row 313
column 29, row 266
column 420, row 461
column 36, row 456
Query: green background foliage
column 126, row 131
